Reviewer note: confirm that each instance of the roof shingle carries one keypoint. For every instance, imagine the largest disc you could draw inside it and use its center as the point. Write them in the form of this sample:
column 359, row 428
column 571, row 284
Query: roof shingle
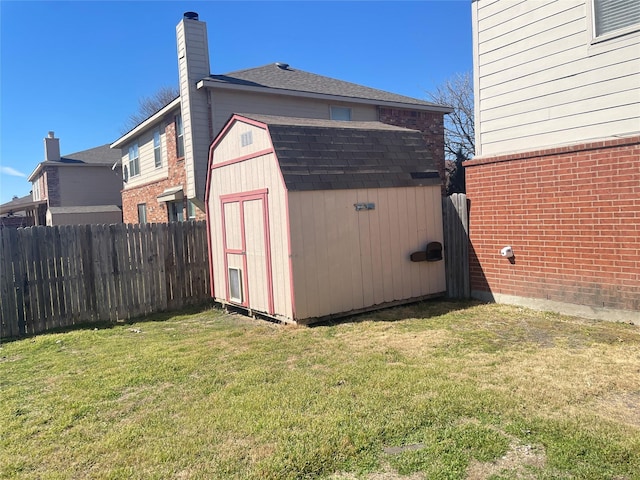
column 272, row 76
column 330, row 155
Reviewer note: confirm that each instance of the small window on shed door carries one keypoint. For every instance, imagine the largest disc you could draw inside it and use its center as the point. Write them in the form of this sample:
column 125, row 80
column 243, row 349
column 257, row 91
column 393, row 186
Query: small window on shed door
column 235, row 285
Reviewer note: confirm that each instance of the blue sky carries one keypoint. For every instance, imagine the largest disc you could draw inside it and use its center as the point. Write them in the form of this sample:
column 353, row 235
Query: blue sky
column 79, row 67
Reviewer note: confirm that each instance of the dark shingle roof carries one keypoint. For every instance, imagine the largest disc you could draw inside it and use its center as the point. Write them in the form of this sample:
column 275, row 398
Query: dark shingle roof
column 272, row 76
column 102, row 155
column 330, row 155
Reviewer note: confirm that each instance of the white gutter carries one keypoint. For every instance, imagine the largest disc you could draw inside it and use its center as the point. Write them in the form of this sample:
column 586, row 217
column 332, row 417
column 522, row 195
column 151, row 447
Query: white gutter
column 131, row 134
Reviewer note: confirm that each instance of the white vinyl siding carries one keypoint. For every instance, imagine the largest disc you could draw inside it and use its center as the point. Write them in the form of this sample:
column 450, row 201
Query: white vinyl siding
column 539, row 81
column 149, row 172
column 193, row 65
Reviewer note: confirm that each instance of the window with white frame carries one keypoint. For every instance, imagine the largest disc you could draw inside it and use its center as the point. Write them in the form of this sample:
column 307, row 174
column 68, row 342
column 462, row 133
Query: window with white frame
column 142, row 213
column 179, row 137
column 134, row 160
column 157, row 147
column 36, row 189
column 340, row 113
column 615, row 15
column 191, row 210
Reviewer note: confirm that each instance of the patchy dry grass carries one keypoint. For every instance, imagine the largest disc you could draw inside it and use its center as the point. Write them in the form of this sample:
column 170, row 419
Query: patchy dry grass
column 436, row 390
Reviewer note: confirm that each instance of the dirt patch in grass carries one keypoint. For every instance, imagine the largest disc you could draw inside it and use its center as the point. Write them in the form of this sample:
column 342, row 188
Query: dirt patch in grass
column 517, row 460
column 620, row 407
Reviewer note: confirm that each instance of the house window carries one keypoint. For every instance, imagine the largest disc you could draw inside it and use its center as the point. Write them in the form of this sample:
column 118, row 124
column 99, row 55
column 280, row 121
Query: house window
column 340, row 113
column 179, row 137
column 36, row 189
column 157, row 149
column 613, row 15
column 142, row 213
column 191, row 210
column 175, row 211
column 134, row 160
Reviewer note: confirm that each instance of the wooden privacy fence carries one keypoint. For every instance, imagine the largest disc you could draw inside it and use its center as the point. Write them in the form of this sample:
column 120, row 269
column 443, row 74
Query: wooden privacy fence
column 61, row 276
column 455, row 217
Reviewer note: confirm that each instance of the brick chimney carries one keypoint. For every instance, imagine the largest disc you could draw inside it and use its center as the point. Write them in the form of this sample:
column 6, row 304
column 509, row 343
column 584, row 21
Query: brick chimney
column 193, row 66
column 51, row 148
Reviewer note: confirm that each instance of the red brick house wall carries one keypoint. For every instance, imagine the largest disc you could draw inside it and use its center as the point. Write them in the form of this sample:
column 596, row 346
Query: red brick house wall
column 572, row 216
column 431, row 124
column 148, row 194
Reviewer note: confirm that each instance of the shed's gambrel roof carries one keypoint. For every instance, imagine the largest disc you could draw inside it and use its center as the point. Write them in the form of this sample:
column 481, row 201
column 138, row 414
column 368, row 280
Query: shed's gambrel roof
column 318, row 154
column 292, row 80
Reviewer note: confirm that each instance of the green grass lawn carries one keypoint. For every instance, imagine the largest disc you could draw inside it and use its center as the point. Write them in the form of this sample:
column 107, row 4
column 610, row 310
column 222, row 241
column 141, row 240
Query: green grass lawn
column 431, row 391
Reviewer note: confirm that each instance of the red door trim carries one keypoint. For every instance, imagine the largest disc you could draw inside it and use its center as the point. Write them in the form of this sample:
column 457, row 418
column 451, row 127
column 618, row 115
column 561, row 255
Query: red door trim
column 241, row 198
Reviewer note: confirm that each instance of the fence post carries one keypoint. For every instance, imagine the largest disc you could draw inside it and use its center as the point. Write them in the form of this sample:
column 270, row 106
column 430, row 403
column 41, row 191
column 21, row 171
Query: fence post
column 456, row 240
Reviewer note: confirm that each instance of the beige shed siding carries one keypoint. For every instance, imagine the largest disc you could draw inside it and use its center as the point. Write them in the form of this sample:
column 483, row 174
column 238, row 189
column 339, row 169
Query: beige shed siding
column 148, row 171
column 345, row 260
column 231, row 145
column 550, row 84
column 250, row 175
column 225, row 103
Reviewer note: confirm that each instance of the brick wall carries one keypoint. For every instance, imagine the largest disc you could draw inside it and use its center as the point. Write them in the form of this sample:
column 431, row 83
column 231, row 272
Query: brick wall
column 572, row 216
column 431, row 124
column 148, row 193
column 52, row 190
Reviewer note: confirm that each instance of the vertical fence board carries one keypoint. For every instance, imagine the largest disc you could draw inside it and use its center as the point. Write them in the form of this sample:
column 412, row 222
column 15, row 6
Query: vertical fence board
column 8, row 286
column 87, row 299
column 456, row 239
column 61, row 276
column 163, row 236
column 20, row 281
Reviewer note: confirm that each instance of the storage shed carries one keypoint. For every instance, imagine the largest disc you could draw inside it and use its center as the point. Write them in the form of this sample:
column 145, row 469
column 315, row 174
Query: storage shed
column 310, row 219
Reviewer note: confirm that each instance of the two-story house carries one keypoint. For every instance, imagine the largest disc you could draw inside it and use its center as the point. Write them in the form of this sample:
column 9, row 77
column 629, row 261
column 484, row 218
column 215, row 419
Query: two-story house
column 78, row 188
column 164, row 159
column 557, row 169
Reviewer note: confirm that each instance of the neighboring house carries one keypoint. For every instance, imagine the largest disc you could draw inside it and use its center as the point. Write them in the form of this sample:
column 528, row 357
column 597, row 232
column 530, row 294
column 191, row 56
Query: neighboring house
column 79, row 188
column 165, row 157
column 20, row 212
column 557, row 169
column 309, row 218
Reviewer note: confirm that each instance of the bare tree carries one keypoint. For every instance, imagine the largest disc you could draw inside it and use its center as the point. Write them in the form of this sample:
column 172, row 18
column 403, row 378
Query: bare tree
column 147, row 106
column 459, row 134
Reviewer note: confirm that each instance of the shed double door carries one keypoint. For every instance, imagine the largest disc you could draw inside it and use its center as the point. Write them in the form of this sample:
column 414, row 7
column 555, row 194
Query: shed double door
column 247, row 250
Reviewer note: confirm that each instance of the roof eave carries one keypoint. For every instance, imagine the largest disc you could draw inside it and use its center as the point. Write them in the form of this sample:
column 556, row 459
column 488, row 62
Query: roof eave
column 206, row 83
column 120, row 142
column 6, row 208
column 35, row 172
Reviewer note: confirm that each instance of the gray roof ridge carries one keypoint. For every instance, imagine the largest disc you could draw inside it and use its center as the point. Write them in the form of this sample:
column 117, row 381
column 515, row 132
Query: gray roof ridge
column 355, row 92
